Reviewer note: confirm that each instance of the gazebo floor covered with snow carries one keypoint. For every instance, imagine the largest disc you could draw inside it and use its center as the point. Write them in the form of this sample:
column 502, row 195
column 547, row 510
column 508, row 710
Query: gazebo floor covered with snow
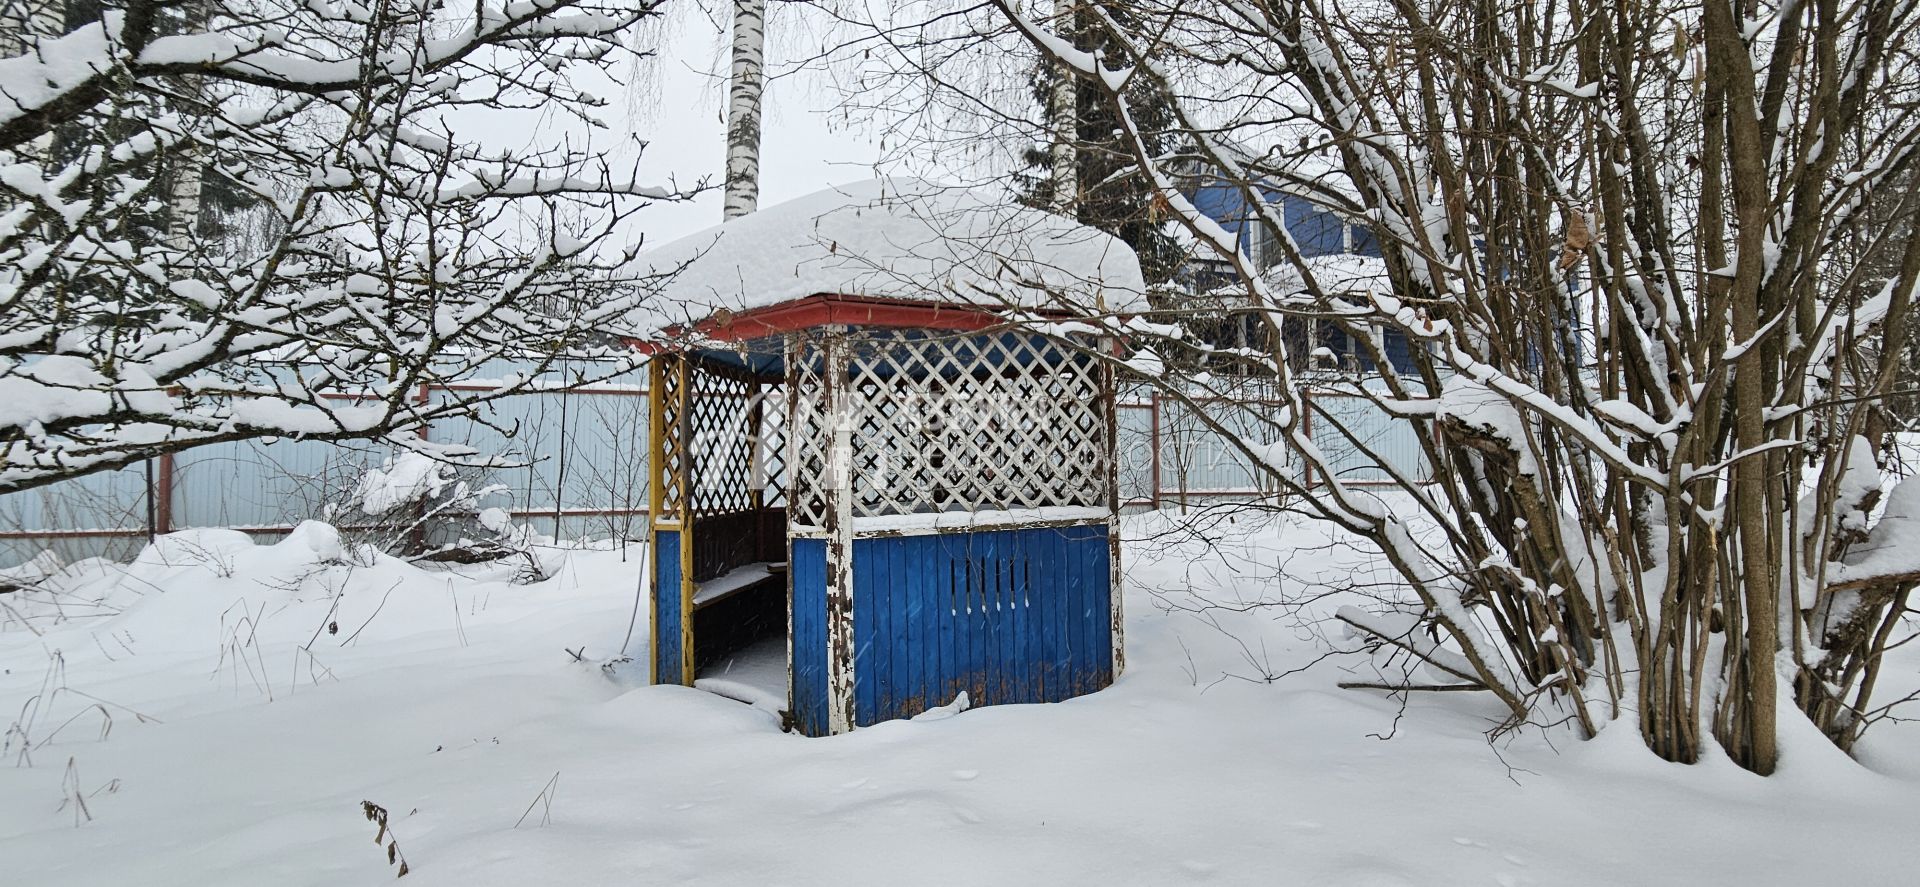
column 921, row 503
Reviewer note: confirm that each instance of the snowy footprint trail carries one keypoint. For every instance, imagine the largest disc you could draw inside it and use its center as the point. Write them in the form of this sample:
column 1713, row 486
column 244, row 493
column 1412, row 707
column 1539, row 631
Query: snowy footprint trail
column 280, row 689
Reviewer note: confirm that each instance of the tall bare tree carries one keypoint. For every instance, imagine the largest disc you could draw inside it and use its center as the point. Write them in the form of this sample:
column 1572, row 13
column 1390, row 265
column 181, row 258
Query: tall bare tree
column 1648, row 380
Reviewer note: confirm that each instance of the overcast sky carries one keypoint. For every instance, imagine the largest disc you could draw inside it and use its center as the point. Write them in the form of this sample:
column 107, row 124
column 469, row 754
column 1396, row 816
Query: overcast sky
column 802, row 150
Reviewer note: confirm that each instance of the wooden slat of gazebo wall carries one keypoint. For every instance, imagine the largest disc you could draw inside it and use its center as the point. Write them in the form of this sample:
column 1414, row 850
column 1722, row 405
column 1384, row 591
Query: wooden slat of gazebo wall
column 807, row 584
column 669, row 654
column 1008, row 616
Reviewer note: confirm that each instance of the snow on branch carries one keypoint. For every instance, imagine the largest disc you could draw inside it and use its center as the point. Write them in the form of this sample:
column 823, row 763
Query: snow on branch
column 222, row 221
column 1636, row 294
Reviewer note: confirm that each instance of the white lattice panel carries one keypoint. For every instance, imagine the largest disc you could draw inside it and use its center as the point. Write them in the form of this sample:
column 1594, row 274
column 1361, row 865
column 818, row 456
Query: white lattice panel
column 730, row 428
column 809, row 430
column 954, row 422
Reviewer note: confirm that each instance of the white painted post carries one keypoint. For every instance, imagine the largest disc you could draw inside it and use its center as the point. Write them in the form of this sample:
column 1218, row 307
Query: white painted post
column 792, row 351
column 1110, row 451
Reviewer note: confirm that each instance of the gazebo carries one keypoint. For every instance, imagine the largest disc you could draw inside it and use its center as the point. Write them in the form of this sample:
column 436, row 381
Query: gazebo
column 881, row 456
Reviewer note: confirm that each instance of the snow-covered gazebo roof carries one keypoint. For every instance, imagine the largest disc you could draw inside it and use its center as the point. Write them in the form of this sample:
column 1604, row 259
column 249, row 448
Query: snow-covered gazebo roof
column 895, row 240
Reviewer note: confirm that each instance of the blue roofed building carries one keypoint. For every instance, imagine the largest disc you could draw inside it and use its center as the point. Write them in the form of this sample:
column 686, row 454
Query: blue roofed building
column 1343, row 252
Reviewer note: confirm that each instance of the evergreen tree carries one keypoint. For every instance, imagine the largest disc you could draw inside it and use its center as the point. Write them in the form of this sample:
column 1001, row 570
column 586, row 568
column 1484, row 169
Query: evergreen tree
column 1112, row 195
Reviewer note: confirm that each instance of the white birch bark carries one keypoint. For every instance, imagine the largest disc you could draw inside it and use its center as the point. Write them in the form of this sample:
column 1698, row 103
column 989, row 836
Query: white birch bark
column 183, row 211
column 1063, row 113
column 743, row 107
column 183, row 204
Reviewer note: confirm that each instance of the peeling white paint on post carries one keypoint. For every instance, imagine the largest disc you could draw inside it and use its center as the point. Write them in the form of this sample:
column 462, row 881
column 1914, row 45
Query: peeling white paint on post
column 791, row 353
column 839, row 532
column 1110, row 474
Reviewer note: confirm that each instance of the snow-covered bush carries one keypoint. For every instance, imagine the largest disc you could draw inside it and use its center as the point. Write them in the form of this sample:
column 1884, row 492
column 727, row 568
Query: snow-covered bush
column 36, row 568
column 417, row 507
column 233, row 220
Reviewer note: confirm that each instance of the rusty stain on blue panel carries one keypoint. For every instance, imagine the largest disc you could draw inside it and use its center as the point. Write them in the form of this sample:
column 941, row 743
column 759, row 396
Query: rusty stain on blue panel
column 807, row 575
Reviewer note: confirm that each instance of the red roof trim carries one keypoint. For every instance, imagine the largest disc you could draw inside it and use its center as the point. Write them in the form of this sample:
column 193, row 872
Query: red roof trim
column 824, row 309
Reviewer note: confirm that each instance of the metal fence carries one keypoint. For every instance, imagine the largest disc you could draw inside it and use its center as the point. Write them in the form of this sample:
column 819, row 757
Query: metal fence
column 1171, row 453
column 580, row 469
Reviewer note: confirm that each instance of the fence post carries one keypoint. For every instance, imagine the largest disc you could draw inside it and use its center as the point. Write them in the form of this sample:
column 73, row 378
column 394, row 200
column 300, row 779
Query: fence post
column 1153, row 411
column 418, row 536
column 1306, row 420
column 162, row 518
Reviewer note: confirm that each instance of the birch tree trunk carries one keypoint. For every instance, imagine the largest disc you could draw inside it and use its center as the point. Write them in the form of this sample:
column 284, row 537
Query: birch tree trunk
column 743, row 107
column 1063, row 112
column 183, row 204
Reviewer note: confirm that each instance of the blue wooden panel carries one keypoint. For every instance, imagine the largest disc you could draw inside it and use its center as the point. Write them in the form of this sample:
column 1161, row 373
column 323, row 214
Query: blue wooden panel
column 993, row 658
column 667, row 650
column 1075, row 596
column 973, row 667
column 1007, row 616
column 1099, row 618
column 903, row 668
column 950, row 615
column 868, row 632
column 924, row 626
column 807, row 575
column 1020, row 615
column 1043, row 549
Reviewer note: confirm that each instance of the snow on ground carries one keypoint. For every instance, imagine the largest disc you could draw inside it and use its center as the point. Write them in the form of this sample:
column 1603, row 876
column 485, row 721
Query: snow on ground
column 278, row 688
